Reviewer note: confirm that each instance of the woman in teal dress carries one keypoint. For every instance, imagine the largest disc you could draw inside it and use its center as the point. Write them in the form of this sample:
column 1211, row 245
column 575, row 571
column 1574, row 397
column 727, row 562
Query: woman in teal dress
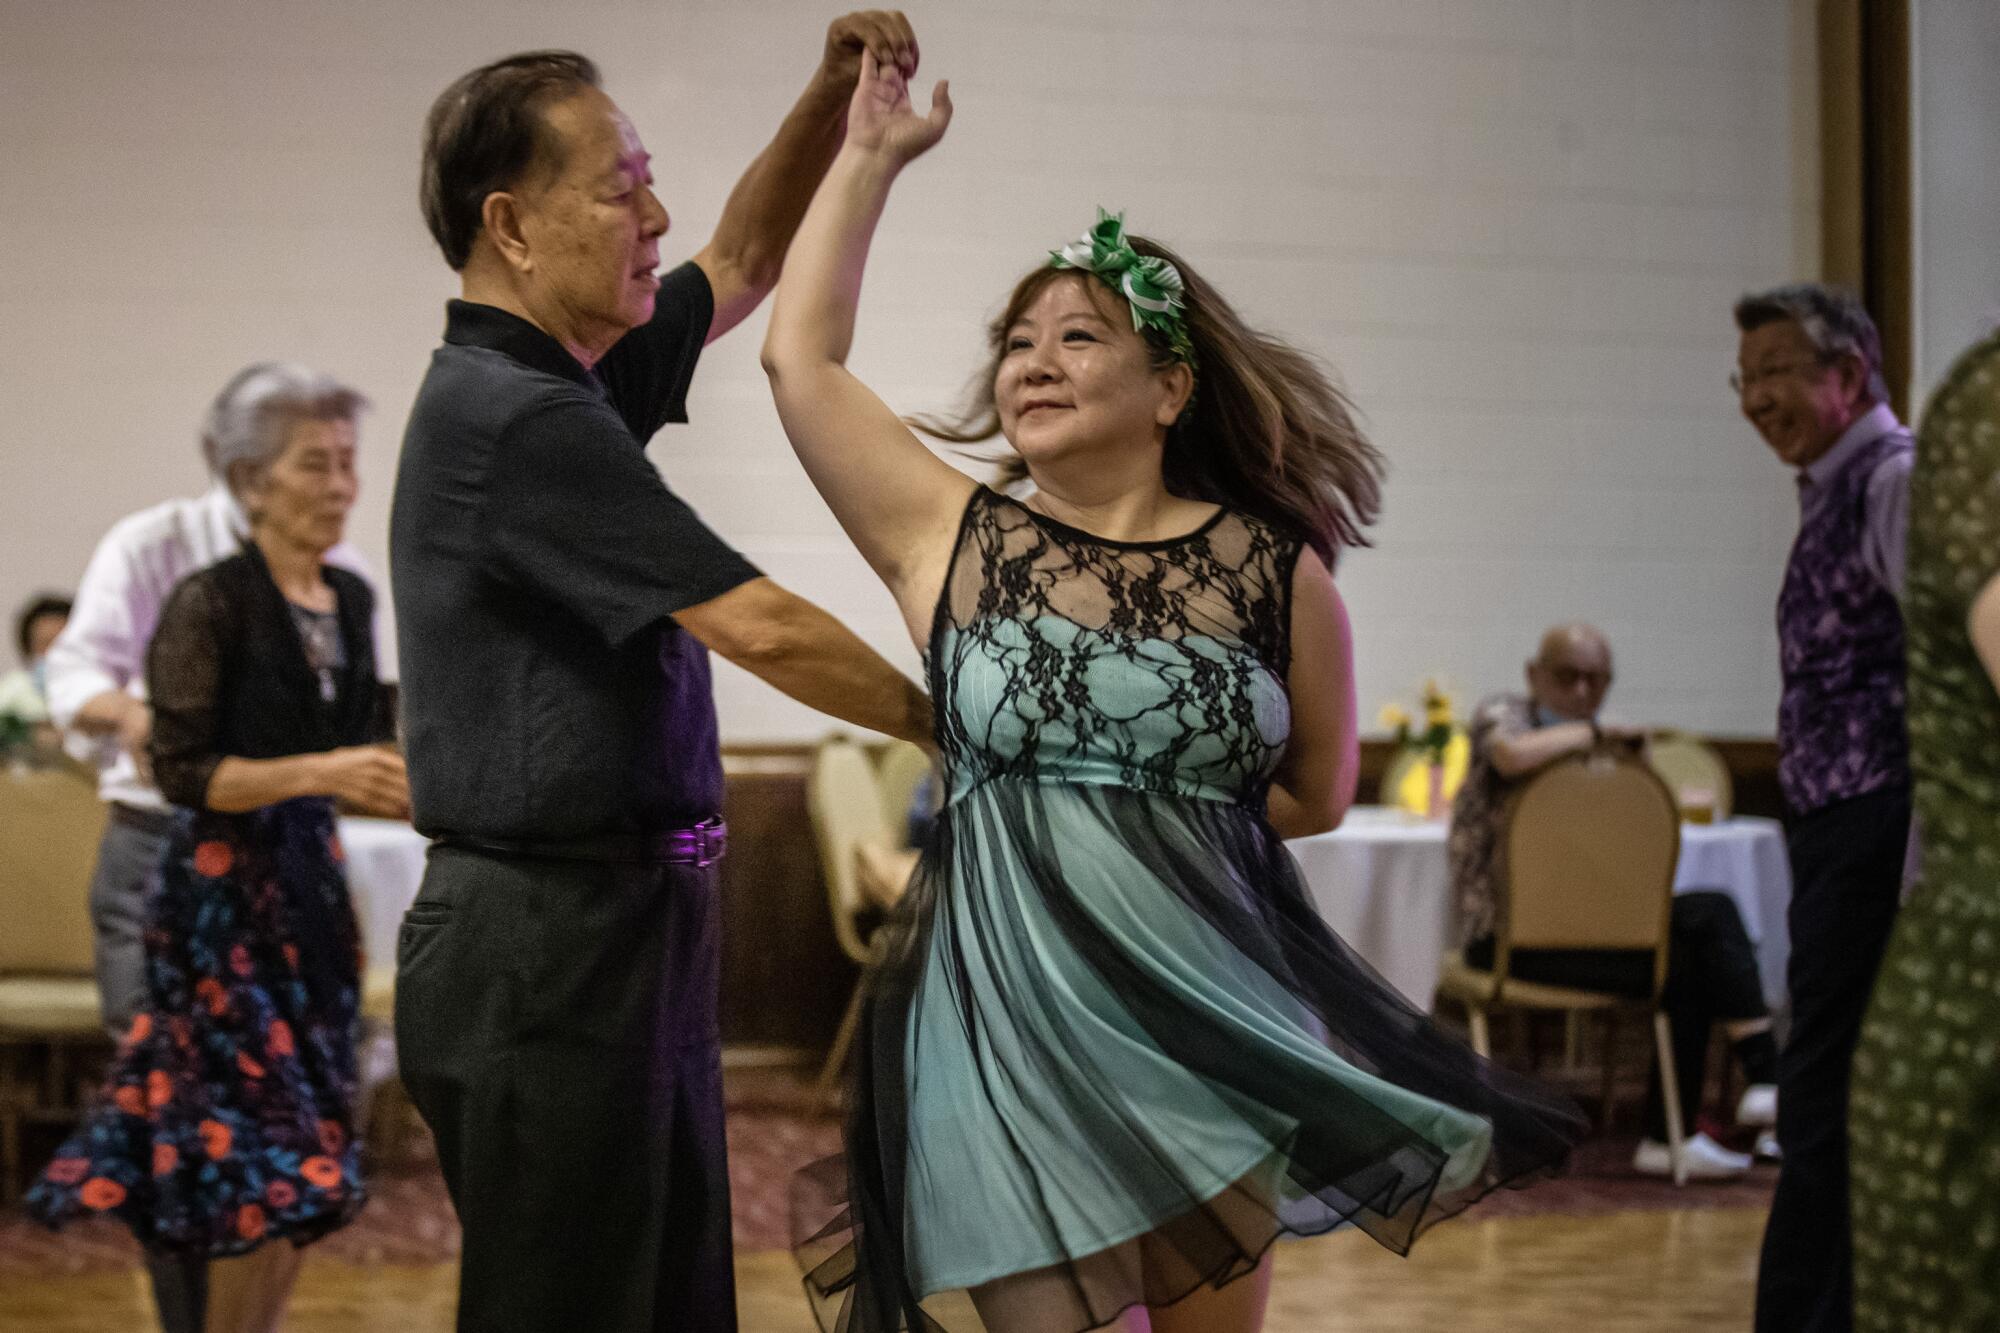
column 1111, row 1053
column 1926, row 1100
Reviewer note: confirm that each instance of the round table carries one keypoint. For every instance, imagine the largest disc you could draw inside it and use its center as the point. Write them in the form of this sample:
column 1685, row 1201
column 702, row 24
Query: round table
column 385, row 866
column 1382, row 882
column 1745, row 858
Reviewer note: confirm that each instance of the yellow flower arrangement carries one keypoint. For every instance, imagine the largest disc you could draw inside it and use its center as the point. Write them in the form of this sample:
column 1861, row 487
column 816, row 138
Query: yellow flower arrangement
column 1438, row 754
column 1439, row 726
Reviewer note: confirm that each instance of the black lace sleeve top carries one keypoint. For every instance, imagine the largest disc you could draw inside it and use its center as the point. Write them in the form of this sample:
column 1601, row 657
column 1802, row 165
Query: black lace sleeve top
column 228, row 674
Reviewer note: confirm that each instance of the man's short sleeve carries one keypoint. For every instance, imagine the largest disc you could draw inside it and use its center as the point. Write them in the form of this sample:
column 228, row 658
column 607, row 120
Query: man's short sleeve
column 1886, row 531
column 647, row 373
column 576, row 512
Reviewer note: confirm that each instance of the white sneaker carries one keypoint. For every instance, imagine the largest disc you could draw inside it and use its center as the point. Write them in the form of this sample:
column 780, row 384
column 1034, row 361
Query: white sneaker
column 1758, row 1105
column 1767, row 1147
column 1706, row 1159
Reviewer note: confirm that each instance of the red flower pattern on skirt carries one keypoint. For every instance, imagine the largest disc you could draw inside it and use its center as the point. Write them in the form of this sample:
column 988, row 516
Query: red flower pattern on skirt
column 225, row 1120
column 100, row 1194
column 68, row 1170
column 321, row 1171
column 213, row 859
column 216, row 1138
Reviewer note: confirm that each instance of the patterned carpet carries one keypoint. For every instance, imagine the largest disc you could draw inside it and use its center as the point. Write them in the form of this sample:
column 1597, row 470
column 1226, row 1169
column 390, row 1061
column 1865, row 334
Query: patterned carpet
column 774, row 1128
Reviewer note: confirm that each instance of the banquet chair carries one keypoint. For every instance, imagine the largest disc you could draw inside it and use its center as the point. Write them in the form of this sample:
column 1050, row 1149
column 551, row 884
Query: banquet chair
column 857, row 847
column 1693, row 772
column 50, row 823
column 1591, row 845
column 898, row 773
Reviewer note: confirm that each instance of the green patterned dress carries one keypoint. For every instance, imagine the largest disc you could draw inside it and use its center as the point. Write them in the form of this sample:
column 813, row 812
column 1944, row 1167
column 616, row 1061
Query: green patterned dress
column 1926, row 1102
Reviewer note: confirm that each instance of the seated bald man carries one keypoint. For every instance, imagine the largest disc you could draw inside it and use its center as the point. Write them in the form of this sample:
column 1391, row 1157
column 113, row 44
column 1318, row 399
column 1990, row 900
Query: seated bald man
column 1711, row 970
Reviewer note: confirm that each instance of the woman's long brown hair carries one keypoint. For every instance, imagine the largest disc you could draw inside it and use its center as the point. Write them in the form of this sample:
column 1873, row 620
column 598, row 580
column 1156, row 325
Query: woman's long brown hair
column 1268, row 432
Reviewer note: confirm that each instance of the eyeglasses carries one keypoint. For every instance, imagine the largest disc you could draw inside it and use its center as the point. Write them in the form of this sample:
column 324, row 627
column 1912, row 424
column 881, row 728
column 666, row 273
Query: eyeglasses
column 1569, row 677
column 1741, row 384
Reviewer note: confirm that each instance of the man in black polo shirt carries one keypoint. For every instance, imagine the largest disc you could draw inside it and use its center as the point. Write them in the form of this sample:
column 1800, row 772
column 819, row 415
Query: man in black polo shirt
column 556, row 996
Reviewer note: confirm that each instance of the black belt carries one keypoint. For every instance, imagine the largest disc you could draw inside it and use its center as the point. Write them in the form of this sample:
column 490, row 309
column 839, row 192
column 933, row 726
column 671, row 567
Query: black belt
column 701, row 845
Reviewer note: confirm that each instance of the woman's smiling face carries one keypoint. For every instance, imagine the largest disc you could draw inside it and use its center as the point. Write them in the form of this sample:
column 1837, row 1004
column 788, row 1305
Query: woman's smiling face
column 1074, row 375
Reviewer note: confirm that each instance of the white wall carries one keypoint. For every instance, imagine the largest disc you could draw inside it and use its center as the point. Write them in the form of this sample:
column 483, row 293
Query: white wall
column 1515, row 225
column 1955, row 47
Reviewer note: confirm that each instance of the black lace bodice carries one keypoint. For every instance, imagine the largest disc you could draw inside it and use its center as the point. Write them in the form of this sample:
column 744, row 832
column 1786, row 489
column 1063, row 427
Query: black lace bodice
column 1160, row 666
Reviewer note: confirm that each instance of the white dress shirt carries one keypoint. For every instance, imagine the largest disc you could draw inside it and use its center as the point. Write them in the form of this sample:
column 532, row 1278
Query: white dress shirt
column 118, row 606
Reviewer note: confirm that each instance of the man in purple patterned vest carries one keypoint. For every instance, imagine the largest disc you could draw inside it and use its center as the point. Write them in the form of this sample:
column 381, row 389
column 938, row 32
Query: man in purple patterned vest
column 1810, row 380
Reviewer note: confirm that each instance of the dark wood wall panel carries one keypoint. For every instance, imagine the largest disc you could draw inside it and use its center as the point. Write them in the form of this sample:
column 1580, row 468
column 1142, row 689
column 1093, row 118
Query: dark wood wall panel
column 785, row 980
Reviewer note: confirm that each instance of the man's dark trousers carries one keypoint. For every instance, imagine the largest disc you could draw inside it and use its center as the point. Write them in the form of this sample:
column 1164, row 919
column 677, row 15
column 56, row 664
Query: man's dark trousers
column 556, row 1024
column 1847, row 871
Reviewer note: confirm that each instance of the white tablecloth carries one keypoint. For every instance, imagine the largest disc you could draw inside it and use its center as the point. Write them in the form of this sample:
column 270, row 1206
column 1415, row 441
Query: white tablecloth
column 1381, row 881
column 385, row 864
column 1745, row 858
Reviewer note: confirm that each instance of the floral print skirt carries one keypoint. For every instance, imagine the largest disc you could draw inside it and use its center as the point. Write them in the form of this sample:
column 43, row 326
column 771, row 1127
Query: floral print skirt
column 227, row 1117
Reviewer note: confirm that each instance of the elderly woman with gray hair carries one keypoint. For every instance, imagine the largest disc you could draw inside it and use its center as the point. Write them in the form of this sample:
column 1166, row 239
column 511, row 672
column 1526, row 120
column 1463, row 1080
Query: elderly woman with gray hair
column 227, row 1118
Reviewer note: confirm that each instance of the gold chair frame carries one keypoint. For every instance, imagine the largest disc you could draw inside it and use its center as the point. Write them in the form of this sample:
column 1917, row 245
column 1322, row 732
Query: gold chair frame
column 1591, row 844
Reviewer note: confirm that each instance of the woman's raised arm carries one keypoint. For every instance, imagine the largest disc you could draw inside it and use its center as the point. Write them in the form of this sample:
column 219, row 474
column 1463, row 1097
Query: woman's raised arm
column 898, row 501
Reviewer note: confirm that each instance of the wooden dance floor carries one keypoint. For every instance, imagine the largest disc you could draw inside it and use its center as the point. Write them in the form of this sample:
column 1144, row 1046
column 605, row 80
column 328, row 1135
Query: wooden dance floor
column 1636, row 1271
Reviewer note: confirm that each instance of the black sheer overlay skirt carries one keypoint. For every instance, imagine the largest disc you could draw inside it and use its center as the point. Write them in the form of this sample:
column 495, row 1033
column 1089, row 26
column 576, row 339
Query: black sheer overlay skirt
column 1110, row 1053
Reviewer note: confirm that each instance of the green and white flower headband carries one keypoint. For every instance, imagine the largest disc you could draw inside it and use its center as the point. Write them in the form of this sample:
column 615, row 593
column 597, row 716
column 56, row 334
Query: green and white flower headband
column 1151, row 285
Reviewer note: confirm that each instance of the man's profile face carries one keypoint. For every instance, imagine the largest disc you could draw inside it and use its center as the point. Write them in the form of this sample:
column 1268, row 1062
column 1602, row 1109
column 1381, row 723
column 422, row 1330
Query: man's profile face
column 593, row 225
column 1798, row 400
column 1571, row 676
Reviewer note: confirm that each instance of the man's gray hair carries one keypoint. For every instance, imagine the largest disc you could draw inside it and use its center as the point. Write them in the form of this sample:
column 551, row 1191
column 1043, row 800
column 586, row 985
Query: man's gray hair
column 253, row 416
column 1833, row 318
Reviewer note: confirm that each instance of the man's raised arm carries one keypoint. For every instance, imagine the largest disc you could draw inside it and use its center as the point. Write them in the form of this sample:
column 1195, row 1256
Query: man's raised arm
column 744, row 256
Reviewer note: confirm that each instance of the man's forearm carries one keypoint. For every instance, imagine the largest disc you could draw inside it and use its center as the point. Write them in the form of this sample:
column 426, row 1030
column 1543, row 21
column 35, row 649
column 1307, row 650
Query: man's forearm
column 831, row 670
column 813, row 658
column 104, row 714
column 799, row 650
column 763, row 211
column 1530, row 750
